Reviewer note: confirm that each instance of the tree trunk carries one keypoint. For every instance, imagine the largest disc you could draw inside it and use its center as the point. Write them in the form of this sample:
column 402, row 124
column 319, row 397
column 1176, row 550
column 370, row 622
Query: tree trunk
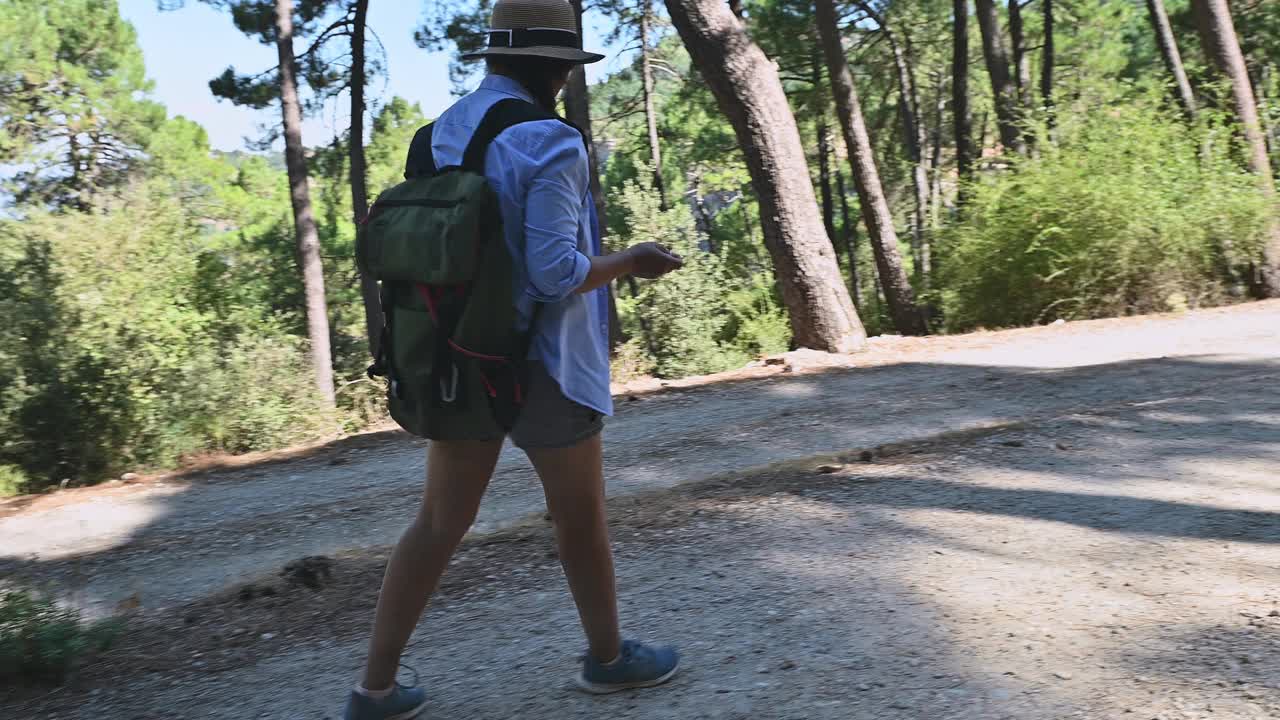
column 935, row 154
column 1018, row 38
column 866, row 178
column 749, row 93
column 577, row 107
column 960, row 94
column 304, row 221
column 701, row 217
column 1218, row 34
column 650, row 113
column 824, row 180
column 1002, row 86
column 1172, row 58
column 359, row 180
column 913, row 132
column 1048, row 58
column 824, row 151
column 850, row 227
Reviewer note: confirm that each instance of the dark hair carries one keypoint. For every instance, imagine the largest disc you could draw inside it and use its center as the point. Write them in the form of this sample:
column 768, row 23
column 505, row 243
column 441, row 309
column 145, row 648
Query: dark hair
column 537, row 74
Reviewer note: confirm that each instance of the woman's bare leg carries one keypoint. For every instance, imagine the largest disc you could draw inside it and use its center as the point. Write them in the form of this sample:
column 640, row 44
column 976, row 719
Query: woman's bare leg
column 457, row 475
column 573, row 481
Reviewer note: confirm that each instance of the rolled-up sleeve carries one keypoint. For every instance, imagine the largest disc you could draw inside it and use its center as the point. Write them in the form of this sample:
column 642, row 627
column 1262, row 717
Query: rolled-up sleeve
column 553, row 212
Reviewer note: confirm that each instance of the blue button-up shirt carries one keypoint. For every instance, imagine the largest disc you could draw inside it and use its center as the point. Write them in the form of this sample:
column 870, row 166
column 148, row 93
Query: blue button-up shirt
column 539, row 171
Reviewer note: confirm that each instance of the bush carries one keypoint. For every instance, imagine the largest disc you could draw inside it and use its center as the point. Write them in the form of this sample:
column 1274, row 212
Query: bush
column 684, row 314
column 631, row 362
column 129, row 342
column 12, row 480
column 42, row 641
column 1132, row 212
column 759, row 324
column 259, row 395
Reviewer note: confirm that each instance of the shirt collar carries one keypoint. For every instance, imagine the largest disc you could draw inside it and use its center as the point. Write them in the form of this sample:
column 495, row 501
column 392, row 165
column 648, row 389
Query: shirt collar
column 506, row 86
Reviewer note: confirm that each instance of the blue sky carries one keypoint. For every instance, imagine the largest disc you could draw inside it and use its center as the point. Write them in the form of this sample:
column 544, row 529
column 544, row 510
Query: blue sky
column 184, row 49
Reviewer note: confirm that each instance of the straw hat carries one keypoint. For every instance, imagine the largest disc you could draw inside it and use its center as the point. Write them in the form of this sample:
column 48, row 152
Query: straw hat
column 535, row 28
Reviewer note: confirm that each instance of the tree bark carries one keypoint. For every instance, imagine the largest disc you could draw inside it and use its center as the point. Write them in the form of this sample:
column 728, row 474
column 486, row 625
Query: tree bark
column 577, row 107
column 963, row 116
column 359, row 180
column 824, row 181
column 1008, row 108
column 913, row 132
column 935, row 154
column 875, row 209
column 1172, row 58
column 1218, row 33
column 747, row 88
column 850, row 227
column 701, row 217
column 650, row 113
column 1018, row 44
column 824, row 151
column 304, row 221
column 1048, row 59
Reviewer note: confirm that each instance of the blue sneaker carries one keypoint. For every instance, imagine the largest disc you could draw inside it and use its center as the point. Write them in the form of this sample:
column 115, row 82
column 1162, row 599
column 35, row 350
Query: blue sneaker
column 639, row 666
column 403, row 703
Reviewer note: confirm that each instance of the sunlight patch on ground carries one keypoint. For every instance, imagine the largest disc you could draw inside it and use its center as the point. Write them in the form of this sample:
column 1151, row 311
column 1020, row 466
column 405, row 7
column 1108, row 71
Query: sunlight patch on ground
column 791, row 390
column 96, row 526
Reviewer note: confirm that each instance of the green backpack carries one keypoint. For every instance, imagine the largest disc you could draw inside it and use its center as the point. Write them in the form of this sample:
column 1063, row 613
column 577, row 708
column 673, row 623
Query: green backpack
column 454, row 361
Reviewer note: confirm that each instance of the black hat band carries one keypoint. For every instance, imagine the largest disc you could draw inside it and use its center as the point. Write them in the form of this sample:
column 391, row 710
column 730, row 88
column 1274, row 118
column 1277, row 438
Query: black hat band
column 534, row 37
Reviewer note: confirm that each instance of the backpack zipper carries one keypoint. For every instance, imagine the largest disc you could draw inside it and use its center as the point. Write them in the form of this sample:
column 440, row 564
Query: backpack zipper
column 380, row 205
column 417, row 203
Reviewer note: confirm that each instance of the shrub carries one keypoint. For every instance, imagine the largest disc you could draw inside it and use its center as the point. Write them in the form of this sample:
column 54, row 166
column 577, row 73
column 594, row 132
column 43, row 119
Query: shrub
column 12, row 480
column 631, row 362
column 126, row 346
column 685, row 313
column 1132, row 212
column 42, row 641
column 759, row 325
column 259, row 395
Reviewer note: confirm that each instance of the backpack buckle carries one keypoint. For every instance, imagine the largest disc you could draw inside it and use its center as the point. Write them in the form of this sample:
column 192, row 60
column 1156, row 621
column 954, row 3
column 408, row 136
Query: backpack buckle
column 449, row 391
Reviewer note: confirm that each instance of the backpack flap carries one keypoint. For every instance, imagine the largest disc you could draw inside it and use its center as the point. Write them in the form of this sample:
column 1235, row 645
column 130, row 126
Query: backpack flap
column 424, row 231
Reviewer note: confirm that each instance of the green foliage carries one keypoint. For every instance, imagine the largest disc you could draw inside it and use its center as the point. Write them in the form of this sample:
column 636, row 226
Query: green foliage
column 393, row 129
column 71, row 76
column 631, row 361
column 758, row 323
column 41, row 641
column 459, row 25
column 129, row 350
column 323, row 64
column 687, row 312
column 151, row 308
column 727, row 280
column 12, row 480
column 1132, row 212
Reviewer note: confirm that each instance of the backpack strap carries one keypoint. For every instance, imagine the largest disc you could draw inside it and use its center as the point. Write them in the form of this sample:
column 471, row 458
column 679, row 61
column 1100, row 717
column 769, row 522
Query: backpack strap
column 421, row 161
column 500, row 117
column 503, row 115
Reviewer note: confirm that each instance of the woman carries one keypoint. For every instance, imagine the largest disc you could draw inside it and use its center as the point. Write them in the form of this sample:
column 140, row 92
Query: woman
column 539, row 170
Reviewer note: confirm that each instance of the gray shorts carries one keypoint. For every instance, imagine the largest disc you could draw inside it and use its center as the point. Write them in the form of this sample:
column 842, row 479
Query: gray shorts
column 550, row 420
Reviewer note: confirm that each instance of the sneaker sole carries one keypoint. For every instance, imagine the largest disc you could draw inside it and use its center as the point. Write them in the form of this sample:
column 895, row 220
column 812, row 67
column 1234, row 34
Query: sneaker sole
column 587, row 686
column 411, row 714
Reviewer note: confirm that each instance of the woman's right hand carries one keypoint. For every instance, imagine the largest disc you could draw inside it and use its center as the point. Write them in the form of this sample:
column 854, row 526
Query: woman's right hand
column 652, row 260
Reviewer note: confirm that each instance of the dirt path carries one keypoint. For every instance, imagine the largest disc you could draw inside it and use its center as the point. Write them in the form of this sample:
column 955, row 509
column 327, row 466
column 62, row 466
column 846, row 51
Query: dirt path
column 173, row 542
column 1109, row 563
